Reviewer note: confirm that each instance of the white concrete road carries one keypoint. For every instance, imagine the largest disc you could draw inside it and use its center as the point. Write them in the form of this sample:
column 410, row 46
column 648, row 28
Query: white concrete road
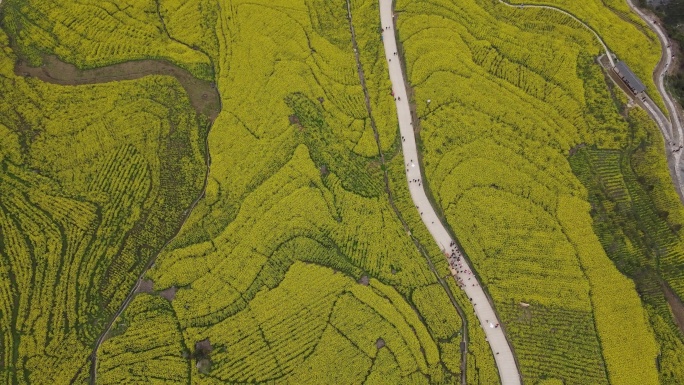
column 672, row 130
column 521, row 6
column 503, row 354
column 675, row 124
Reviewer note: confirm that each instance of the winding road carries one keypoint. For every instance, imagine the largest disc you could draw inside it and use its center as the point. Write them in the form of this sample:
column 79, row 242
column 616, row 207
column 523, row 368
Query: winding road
column 503, row 353
column 605, row 47
column 670, row 128
column 675, row 123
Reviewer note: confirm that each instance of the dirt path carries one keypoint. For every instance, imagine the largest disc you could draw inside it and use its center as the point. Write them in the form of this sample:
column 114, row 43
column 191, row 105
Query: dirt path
column 203, row 95
column 676, row 306
column 134, row 290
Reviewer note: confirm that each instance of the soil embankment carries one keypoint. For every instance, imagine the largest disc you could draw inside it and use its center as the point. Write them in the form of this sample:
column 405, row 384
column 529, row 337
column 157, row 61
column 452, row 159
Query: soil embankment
column 676, row 306
column 203, row 95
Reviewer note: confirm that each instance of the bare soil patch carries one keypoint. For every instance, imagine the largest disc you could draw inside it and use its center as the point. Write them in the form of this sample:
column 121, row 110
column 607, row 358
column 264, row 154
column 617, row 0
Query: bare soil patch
column 145, row 286
column 676, row 306
column 364, row 280
column 574, row 150
column 202, row 354
column 169, row 294
column 203, row 347
column 203, row 95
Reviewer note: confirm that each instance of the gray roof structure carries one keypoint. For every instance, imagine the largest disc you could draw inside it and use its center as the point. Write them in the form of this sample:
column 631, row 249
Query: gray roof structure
column 629, row 78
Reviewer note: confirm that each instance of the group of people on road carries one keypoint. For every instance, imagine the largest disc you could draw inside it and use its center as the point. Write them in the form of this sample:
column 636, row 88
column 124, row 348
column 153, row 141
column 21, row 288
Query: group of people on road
column 456, row 263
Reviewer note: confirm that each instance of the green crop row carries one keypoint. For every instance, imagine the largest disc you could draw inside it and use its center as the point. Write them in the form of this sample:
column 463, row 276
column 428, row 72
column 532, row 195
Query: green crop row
column 638, row 217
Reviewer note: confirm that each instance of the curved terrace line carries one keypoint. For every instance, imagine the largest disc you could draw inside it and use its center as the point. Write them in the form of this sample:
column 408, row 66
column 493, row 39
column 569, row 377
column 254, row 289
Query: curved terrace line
column 460, row 268
column 659, row 78
column 203, row 95
column 388, row 190
column 605, row 47
column 671, row 128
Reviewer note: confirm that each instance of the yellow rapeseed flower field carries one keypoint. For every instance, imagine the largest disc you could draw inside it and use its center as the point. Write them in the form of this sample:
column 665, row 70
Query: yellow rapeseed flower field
column 504, row 95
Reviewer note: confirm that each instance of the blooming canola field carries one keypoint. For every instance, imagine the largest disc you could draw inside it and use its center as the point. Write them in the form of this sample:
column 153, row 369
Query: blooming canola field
column 294, row 260
column 504, row 95
column 143, row 240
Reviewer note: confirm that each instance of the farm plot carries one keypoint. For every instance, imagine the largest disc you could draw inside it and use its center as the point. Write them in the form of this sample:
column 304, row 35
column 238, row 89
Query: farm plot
column 625, row 34
column 93, row 181
column 93, row 33
column 503, row 95
column 638, row 218
column 295, row 260
column 152, row 350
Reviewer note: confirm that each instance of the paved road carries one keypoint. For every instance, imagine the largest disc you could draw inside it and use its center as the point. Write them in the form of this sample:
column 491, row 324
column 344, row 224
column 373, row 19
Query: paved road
column 503, row 354
column 671, row 129
column 605, row 47
column 675, row 123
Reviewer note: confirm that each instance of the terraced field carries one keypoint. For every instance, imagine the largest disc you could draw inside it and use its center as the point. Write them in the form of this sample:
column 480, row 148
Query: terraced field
column 94, row 34
column 638, row 218
column 301, row 257
column 94, row 180
column 503, row 95
column 295, row 262
column 622, row 30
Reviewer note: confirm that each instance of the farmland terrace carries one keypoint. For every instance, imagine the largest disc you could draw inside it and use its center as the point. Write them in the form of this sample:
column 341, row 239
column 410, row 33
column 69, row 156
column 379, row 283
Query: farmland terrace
column 302, row 255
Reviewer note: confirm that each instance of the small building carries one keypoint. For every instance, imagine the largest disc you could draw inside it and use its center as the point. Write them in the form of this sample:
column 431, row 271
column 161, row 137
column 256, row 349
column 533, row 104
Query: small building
column 631, row 80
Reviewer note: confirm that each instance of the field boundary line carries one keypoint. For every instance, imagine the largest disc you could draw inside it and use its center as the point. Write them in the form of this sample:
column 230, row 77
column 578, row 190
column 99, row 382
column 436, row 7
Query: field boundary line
column 670, row 127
